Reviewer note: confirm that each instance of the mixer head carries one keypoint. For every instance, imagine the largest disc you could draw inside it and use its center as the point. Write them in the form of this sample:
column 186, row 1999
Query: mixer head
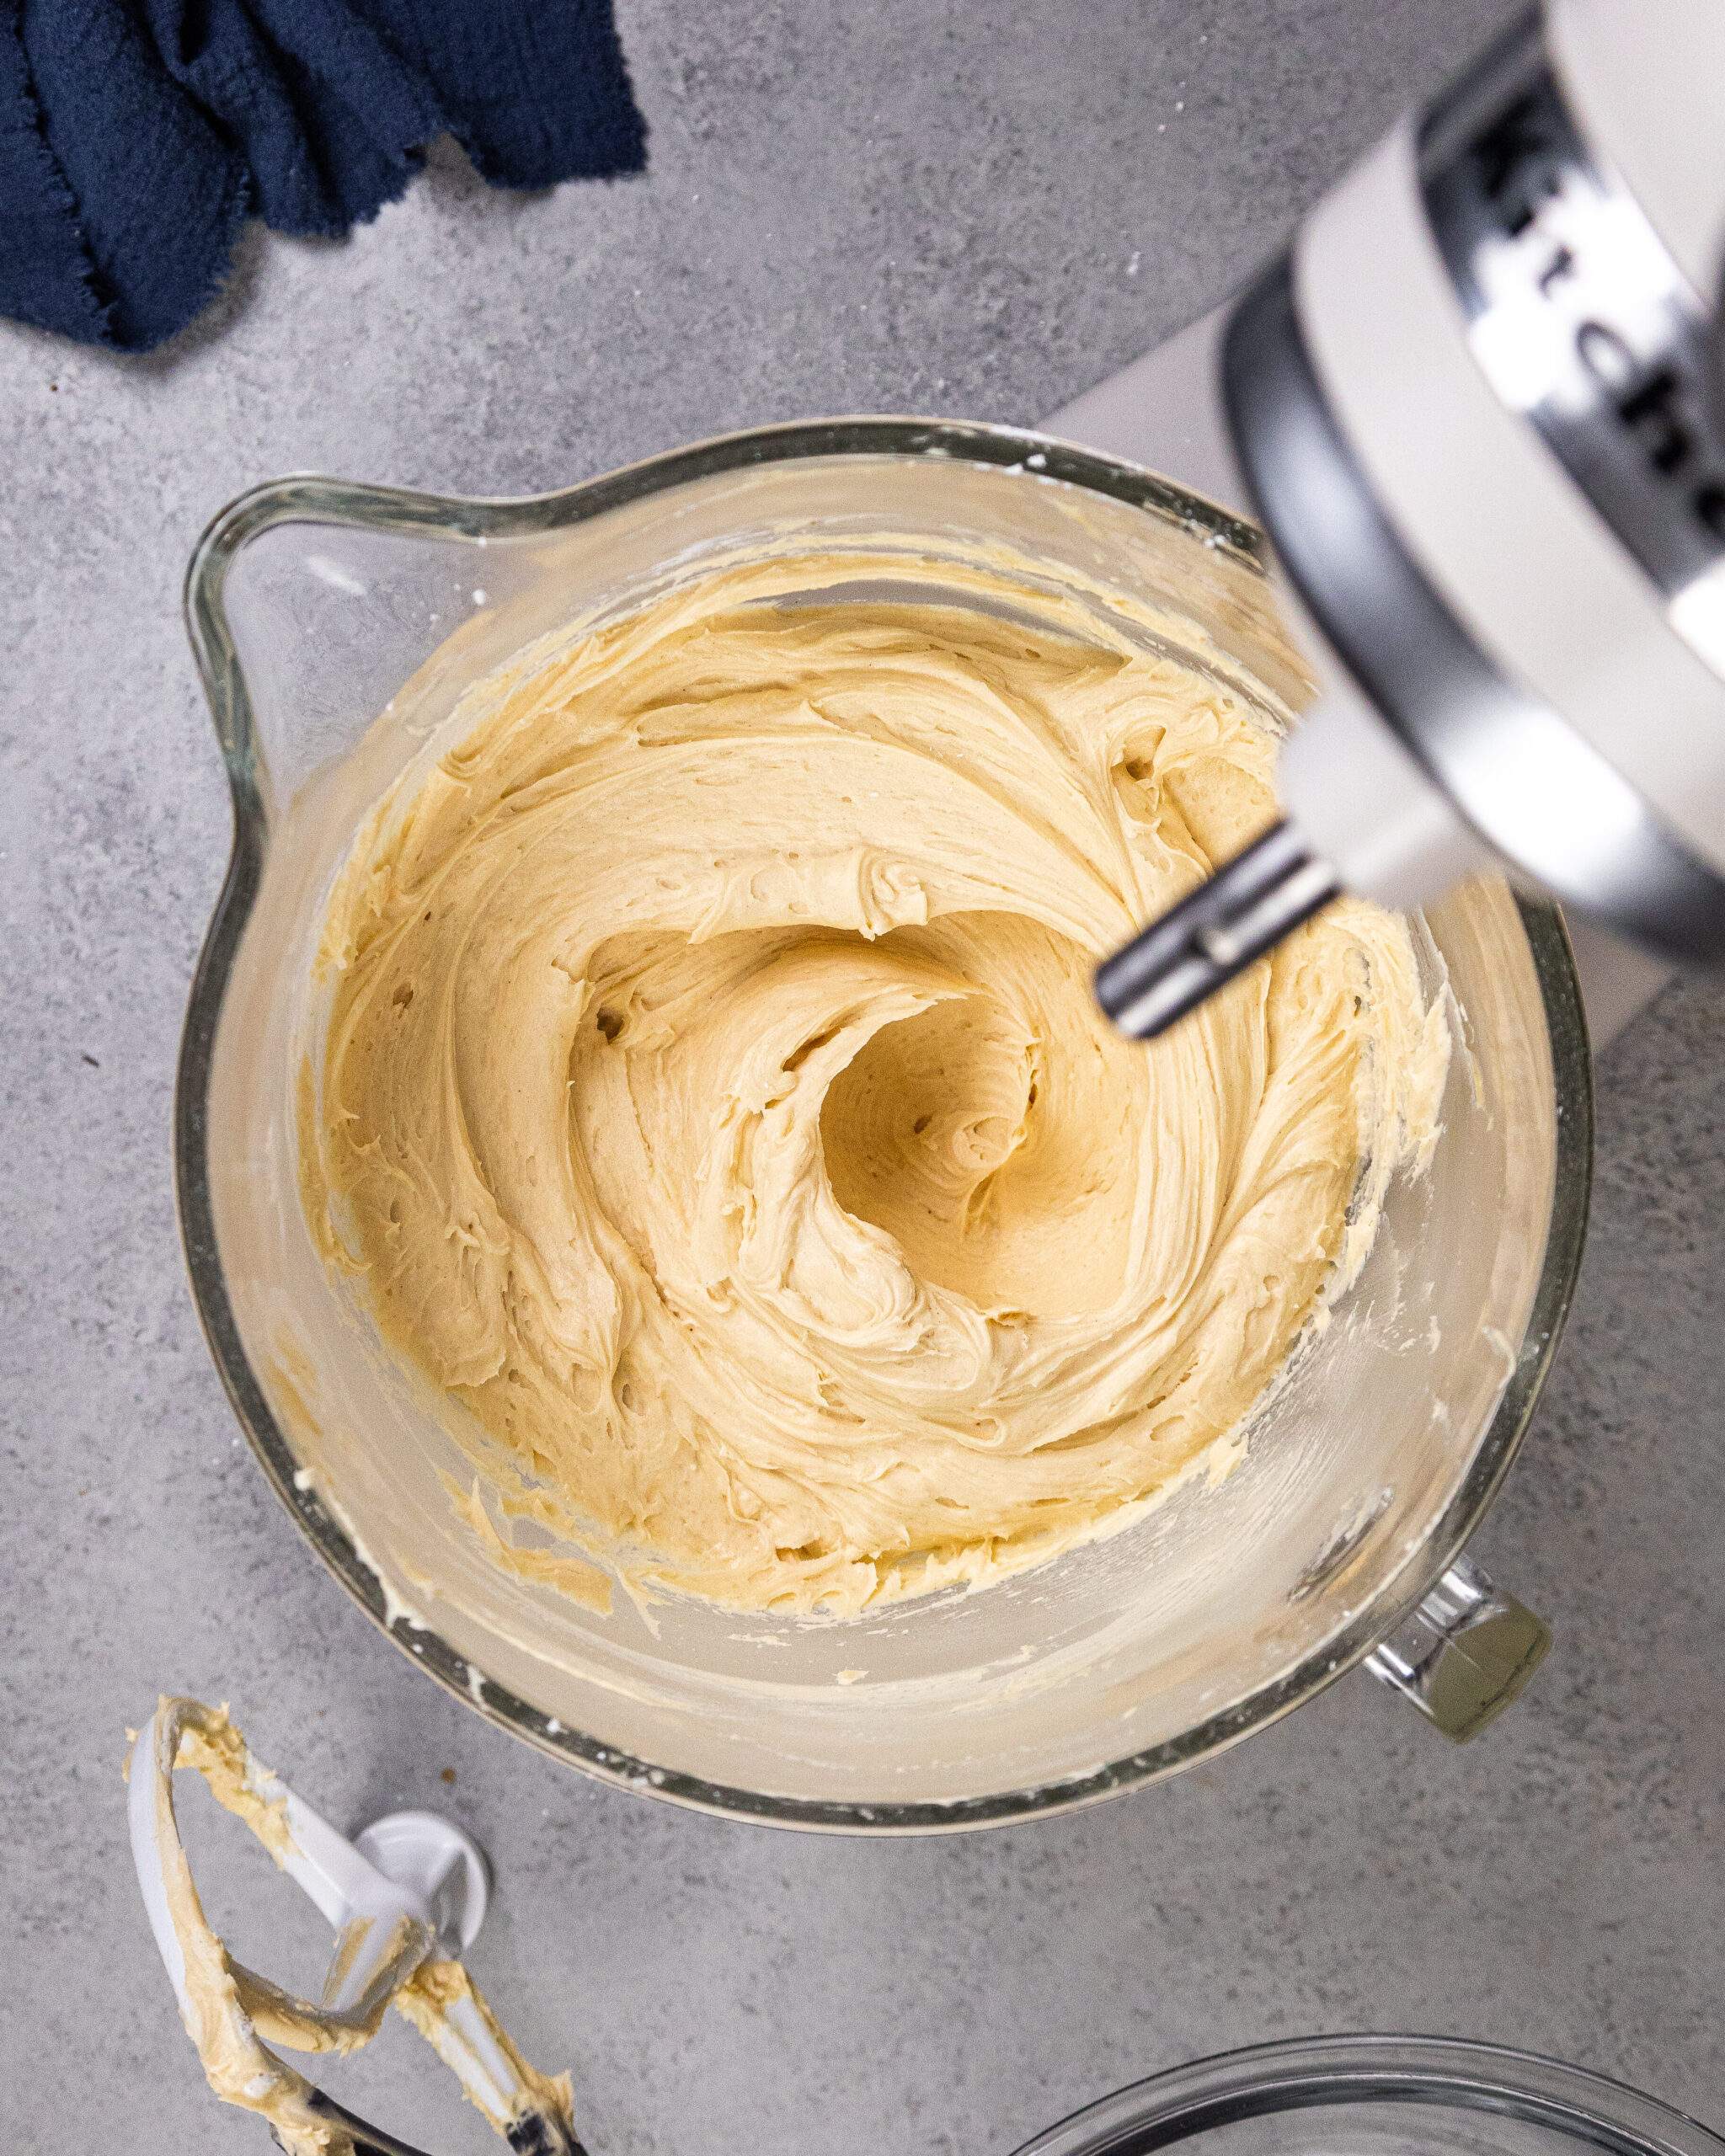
column 1477, row 406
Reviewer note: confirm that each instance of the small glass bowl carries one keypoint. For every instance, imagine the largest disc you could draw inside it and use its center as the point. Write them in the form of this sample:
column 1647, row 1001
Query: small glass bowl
column 1371, row 2096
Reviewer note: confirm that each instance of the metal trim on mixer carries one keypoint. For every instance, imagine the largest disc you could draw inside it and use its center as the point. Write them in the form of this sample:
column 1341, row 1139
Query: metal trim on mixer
column 1518, row 772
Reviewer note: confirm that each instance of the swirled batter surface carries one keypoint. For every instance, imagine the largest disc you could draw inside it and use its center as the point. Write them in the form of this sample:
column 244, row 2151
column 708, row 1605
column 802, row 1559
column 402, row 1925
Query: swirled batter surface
column 714, row 1102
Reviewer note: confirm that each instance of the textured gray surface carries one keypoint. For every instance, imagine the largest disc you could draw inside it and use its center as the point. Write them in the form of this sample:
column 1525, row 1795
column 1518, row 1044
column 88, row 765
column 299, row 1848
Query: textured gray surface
column 907, row 205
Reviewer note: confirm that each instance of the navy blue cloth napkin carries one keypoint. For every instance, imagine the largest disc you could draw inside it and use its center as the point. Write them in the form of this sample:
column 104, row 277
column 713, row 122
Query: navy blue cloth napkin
column 137, row 136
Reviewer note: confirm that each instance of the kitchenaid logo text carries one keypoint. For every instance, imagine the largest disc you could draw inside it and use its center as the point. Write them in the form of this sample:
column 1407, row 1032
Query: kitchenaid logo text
column 1571, row 266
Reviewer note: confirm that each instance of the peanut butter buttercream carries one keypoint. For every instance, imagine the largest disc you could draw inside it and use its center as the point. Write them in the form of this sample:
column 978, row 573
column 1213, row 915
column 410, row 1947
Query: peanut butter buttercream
column 713, row 1101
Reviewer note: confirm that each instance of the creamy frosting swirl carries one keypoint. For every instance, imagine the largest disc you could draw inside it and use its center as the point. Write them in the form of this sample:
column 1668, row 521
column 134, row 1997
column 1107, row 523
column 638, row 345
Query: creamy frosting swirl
column 714, row 1102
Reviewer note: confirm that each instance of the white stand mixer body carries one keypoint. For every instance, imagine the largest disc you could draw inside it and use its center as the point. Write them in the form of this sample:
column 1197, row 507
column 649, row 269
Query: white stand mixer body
column 1506, row 335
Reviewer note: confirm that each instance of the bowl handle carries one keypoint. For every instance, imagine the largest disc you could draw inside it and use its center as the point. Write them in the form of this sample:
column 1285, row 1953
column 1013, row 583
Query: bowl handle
column 1465, row 1653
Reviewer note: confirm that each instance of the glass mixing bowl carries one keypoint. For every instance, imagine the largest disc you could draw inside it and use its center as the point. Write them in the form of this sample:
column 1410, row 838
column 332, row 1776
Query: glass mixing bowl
column 336, row 626
column 1377, row 2096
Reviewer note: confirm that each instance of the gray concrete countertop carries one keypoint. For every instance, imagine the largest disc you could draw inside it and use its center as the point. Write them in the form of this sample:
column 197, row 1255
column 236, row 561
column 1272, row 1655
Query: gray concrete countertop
column 910, row 204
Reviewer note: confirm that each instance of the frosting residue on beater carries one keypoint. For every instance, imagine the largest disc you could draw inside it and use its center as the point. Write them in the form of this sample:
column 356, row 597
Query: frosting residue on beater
column 232, row 2014
column 714, row 1103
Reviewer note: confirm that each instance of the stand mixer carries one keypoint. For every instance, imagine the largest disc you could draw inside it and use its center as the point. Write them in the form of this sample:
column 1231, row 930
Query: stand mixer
column 1470, row 585
column 1476, row 404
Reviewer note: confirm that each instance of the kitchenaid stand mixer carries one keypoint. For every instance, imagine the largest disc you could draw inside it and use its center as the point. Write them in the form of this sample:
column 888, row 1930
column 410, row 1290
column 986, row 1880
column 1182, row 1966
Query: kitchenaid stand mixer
column 1474, row 405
